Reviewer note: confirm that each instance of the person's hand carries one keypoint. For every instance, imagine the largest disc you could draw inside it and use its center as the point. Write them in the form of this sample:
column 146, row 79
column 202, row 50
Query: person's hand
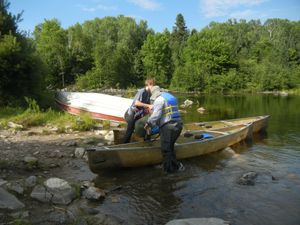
column 146, row 126
column 150, row 107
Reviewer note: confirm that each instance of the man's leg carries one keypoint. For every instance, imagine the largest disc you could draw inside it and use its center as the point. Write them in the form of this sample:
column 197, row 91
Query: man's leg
column 167, row 136
column 130, row 127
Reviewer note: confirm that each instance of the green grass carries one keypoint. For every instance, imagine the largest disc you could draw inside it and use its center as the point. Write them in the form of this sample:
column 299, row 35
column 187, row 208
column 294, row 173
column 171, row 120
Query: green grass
column 34, row 116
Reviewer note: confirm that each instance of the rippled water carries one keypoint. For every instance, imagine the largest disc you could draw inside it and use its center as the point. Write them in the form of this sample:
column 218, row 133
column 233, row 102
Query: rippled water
column 208, row 187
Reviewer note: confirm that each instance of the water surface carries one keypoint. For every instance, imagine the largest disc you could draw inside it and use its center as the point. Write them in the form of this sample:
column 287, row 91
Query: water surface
column 208, row 187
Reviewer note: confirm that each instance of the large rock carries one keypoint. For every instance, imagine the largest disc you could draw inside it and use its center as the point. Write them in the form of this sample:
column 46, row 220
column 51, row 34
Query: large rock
column 9, row 201
column 41, row 194
column 55, row 190
column 198, row 221
column 62, row 192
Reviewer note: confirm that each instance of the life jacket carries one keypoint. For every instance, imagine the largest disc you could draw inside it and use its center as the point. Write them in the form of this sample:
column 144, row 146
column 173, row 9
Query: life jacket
column 172, row 106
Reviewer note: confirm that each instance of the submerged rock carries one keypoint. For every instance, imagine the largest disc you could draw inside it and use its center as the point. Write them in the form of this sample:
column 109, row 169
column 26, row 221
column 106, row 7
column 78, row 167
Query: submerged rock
column 93, row 193
column 9, row 201
column 198, row 221
column 247, row 178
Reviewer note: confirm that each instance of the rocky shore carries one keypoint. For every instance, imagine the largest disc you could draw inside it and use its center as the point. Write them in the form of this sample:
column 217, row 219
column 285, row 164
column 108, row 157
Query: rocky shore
column 45, row 177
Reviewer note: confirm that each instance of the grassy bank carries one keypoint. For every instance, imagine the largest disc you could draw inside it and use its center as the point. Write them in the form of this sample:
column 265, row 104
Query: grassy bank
column 34, row 116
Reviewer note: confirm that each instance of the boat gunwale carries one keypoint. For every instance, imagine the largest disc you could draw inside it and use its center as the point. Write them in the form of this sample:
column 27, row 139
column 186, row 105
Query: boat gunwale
column 110, row 148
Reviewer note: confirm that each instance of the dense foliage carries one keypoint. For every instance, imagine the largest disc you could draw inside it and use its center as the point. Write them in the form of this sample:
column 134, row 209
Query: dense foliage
column 120, row 52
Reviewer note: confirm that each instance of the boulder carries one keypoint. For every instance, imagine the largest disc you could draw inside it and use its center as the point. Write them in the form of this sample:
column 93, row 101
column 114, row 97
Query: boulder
column 41, row 194
column 198, row 221
column 247, row 178
column 62, row 192
column 9, row 201
column 55, row 190
column 93, row 193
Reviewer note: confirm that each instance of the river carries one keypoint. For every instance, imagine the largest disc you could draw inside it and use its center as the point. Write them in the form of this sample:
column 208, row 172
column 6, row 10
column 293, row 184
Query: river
column 208, row 186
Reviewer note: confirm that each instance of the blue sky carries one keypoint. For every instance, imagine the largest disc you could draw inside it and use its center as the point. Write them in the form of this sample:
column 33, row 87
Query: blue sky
column 159, row 14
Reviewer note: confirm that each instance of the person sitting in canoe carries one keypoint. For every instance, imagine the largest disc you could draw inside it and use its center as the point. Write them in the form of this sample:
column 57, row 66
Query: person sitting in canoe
column 139, row 108
column 166, row 116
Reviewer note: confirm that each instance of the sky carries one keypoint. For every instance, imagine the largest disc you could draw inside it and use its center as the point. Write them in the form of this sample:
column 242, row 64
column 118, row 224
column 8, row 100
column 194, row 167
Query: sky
column 159, row 14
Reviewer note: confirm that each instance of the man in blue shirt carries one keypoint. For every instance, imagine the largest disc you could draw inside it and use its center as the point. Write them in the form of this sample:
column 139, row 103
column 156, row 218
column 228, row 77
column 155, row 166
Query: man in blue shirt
column 166, row 116
column 139, row 108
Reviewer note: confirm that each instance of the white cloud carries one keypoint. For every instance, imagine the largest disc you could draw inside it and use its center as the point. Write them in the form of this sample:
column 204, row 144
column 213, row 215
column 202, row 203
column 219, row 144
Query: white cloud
column 97, row 7
column 247, row 14
column 216, row 8
column 146, row 4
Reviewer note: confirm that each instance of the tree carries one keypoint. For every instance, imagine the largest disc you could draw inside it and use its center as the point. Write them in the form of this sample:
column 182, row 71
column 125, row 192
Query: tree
column 157, row 61
column 52, row 44
column 20, row 68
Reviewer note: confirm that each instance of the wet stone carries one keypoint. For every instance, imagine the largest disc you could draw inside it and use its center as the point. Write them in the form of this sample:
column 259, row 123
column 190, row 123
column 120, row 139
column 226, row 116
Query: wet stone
column 93, row 193
column 247, row 178
column 9, row 201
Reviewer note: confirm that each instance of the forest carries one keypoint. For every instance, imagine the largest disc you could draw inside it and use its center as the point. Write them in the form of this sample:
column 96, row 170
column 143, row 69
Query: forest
column 119, row 52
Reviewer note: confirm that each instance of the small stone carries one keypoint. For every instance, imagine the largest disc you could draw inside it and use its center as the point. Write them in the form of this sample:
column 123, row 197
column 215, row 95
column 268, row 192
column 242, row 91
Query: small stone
column 114, row 124
column 247, row 178
column 100, row 144
column 14, row 125
column 30, row 160
column 36, row 153
column 79, row 152
column 109, row 136
column 93, row 193
column 30, row 181
column 69, row 143
column 201, row 110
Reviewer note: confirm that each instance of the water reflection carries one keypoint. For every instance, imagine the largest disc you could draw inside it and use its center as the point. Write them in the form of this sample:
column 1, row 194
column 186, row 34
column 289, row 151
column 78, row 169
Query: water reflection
column 208, row 187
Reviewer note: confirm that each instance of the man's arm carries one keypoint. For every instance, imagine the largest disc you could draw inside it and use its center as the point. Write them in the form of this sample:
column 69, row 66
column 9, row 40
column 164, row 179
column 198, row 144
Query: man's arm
column 157, row 112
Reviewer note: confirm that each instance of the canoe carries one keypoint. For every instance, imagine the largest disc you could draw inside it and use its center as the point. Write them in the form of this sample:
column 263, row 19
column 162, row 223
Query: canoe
column 138, row 154
column 98, row 106
column 260, row 123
